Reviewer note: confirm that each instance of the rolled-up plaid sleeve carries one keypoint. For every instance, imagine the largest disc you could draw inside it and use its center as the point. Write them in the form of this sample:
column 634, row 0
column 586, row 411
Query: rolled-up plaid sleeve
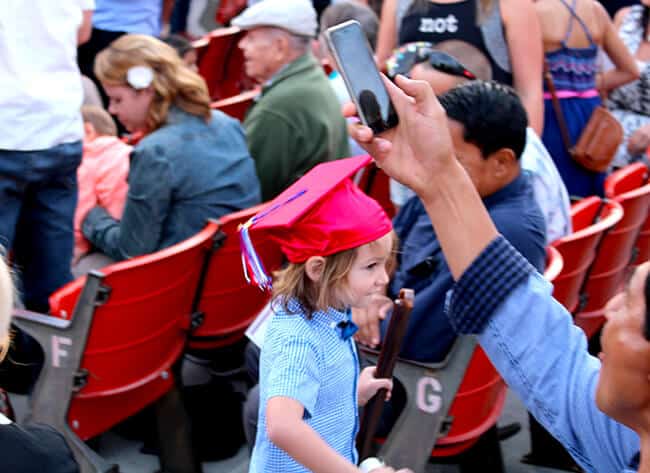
column 484, row 285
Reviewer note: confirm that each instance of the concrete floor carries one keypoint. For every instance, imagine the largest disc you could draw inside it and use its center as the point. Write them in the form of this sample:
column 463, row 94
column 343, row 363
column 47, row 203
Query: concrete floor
column 126, row 453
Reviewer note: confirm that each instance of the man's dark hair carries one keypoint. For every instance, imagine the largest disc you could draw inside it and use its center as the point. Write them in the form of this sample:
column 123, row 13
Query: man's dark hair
column 491, row 113
column 343, row 11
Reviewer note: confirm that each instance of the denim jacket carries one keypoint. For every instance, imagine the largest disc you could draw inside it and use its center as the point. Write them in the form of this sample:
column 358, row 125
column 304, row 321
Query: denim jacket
column 182, row 174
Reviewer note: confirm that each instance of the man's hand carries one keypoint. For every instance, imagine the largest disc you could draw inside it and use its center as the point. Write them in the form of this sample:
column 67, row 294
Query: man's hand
column 639, row 141
column 369, row 319
column 420, row 146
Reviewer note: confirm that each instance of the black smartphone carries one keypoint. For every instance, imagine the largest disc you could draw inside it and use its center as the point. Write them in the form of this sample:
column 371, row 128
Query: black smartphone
column 356, row 65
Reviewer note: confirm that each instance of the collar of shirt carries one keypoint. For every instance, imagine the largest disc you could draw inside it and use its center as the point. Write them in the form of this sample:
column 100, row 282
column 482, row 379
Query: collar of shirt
column 178, row 115
column 515, row 187
column 339, row 320
column 302, row 64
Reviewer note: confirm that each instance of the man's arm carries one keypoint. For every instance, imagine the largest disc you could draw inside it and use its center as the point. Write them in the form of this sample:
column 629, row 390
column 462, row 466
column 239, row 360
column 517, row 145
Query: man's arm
column 529, row 336
column 541, row 354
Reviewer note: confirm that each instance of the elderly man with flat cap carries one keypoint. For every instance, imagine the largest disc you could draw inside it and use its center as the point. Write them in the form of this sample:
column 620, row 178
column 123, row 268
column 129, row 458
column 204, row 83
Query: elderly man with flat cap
column 296, row 122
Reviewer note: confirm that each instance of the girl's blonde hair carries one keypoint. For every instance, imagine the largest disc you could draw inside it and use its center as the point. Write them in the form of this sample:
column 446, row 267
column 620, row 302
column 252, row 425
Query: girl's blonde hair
column 6, row 304
column 173, row 82
column 292, row 282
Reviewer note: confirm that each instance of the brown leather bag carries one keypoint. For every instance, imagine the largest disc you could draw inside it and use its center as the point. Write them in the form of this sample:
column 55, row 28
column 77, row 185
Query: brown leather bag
column 600, row 138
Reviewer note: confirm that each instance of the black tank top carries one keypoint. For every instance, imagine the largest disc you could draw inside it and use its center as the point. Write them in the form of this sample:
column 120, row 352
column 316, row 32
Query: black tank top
column 437, row 22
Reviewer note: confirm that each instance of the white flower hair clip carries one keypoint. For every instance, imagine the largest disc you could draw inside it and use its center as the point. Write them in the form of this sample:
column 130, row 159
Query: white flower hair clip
column 139, row 77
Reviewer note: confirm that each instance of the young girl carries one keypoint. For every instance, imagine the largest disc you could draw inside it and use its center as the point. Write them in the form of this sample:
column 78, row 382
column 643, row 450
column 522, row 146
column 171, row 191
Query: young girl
column 338, row 242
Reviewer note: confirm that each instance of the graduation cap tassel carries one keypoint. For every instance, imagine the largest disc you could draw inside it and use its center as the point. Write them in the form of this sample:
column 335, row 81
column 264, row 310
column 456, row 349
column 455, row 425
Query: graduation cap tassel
column 253, row 267
column 254, row 271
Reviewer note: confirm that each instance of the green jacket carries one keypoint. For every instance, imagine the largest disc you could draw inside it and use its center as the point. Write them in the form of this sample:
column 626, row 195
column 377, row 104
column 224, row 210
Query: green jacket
column 295, row 124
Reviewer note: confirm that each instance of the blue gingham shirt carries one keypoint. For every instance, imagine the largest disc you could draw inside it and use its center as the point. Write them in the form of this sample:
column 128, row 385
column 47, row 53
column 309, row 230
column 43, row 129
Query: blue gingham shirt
column 532, row 341
column 308, row 360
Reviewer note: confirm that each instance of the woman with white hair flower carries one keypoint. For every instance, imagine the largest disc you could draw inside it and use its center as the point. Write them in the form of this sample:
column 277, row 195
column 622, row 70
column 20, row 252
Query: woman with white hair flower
column 191, row 165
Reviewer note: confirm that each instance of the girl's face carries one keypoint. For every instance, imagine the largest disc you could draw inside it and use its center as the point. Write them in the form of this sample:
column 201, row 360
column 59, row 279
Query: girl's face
column 130, row 106
column 368, row 276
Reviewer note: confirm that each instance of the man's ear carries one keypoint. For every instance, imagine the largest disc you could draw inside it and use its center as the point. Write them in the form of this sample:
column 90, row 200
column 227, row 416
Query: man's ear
column 502, row 161
column 314, row 267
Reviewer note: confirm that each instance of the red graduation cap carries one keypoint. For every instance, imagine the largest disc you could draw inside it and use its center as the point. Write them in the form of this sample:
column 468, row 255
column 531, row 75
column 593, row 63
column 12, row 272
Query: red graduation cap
column 322, row 213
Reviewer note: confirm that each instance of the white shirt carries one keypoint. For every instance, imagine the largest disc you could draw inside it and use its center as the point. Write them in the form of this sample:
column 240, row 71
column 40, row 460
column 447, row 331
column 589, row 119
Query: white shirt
column 40, row 83
column 550, row 192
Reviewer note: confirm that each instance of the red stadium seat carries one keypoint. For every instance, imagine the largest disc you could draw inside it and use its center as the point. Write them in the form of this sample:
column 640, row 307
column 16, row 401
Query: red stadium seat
column 221, row 63
column 376, row 183
column 480, row 398
column 112, row 345
column 554, row 264
column 228, row 9
column 452, row 405
column 624, row 180
column 615, row 253
column 227, row 302
column 591, row 218
column 238, row 105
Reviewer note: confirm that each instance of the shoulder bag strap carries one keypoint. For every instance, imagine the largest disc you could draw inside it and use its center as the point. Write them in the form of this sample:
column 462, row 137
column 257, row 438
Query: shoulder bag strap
column 564, row 131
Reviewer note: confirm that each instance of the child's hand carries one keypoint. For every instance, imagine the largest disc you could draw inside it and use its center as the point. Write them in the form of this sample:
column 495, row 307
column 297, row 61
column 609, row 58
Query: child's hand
column 368, row 385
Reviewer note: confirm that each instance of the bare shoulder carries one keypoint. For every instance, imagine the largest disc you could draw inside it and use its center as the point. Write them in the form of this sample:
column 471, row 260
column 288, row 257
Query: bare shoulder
column 546, row 10
column 511, row 10
column 620, row 16
column 600, row 13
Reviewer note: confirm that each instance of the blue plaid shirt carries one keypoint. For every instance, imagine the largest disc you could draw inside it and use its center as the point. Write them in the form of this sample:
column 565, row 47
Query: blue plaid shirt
column 532, row 341
column 308, row 360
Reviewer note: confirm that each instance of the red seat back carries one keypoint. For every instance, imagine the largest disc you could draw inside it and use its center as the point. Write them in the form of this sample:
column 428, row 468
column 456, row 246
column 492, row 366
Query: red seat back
column 221, row 63
column 554, row 264
column 578, row 249
column 476, row 407
column 376, row 183
column 228, row 9
column 622, row 181
column 481, row 395
column 137, row 334
column 238, row 105
column 626, row 179
column 615, row 253
column 228, row 302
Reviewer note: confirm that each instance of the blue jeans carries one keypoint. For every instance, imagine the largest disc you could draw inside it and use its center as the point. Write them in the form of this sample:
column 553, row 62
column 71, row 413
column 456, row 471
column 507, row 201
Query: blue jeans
column 38, row 198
